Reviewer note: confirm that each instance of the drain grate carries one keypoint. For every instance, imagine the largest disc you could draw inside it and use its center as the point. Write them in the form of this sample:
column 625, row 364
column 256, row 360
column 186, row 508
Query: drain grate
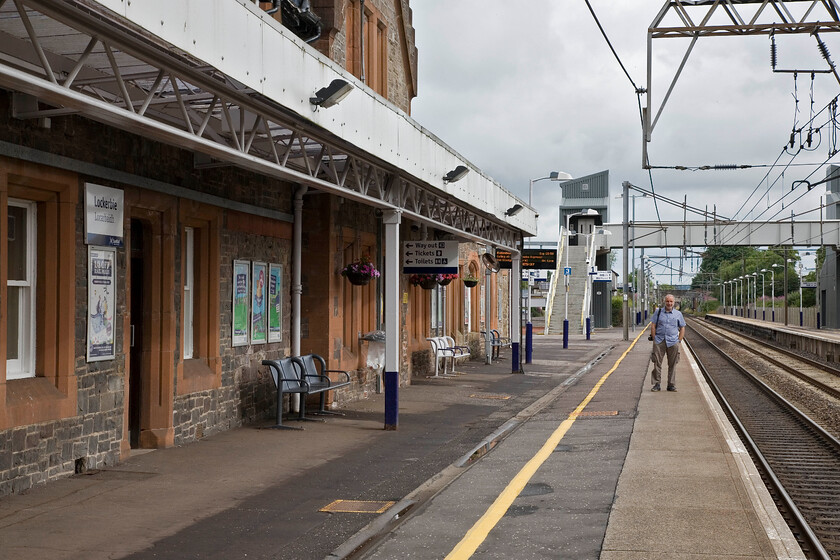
column 356, row 506
column 490, row 396
column 598, row 413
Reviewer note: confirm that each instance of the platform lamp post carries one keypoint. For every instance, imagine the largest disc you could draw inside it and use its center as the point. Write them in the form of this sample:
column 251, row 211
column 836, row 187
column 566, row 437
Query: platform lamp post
column 552, row 176
column 763, row 301
column 755, row 294
column 773, row 292
column 801, row 322
column 741, row 300
column 731, row 283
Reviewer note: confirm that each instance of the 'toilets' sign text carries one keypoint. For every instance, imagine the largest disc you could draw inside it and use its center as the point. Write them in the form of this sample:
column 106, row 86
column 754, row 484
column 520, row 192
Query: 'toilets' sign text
column 430, row 257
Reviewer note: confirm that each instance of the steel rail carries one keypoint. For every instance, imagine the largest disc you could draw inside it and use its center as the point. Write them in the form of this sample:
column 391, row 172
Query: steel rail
column 807, row 534
column 800, row 521
column 833, row 391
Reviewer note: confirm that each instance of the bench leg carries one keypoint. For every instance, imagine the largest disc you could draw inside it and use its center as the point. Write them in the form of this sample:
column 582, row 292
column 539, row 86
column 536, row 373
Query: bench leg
column 302, row 417
column 322, row 409
column 279, row 425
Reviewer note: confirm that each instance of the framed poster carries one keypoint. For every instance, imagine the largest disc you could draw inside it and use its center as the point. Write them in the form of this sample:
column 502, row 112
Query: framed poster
column 100, row 312
column 259, row 305
column 241, row 296
column 275, row 302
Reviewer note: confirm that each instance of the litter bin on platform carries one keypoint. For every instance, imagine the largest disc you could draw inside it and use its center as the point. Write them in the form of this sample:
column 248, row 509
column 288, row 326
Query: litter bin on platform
column 376, row 354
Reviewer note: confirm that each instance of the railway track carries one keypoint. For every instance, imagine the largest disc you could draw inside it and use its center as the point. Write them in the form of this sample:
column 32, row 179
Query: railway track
column 817, row 374
column 800, row 462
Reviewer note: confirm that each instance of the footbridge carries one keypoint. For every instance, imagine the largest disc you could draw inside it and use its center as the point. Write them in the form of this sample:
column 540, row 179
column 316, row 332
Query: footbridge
column 722, row 233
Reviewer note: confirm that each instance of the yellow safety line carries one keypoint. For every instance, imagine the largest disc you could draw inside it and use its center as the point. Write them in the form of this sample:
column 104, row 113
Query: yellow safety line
column 478, row 532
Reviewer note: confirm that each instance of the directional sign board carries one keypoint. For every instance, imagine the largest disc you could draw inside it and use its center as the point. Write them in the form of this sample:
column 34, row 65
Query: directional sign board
column 567, row 271
column 430, row 257
column 809, row 284
column 602, row 276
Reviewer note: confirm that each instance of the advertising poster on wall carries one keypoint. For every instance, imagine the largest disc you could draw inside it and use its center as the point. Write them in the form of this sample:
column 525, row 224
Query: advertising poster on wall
column 275, row 302
column 241, row 295
column 100, row 314
column 259, row 305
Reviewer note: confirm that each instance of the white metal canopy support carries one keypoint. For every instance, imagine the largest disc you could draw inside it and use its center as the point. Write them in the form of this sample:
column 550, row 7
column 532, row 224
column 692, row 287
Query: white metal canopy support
column 75, row 56
column 719, row 18
column 391, row 220
column 725, row 233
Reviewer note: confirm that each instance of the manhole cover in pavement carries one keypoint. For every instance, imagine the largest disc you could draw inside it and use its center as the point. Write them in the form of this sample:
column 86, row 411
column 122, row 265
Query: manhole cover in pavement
column 356, row 506
column 490, row 396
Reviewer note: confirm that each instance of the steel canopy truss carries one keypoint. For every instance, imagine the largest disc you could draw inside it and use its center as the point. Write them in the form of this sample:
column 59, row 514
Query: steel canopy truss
column 714, row 18
column 74, row 57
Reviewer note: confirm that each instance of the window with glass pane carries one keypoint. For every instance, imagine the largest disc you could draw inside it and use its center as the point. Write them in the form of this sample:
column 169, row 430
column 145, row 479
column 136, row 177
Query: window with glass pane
column 189, row 265
column 20, row 323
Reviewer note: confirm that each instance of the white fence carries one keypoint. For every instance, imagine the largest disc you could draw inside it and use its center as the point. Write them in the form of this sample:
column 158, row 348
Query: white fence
column 809, row 315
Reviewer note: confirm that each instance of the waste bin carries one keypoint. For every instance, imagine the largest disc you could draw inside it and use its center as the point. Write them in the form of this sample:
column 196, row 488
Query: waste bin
column 376, row 354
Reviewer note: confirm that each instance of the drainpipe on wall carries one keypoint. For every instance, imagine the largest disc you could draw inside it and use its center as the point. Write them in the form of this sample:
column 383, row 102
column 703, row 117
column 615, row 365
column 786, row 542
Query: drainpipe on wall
column 297, row 289
column 362, row 39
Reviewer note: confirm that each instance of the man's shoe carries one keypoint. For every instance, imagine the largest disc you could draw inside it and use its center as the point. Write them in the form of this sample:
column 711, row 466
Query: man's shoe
column 655, row 387
column 672, row 388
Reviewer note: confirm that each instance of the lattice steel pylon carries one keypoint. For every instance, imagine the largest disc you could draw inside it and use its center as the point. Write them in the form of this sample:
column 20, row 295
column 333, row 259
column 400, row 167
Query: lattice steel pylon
column 719, row 18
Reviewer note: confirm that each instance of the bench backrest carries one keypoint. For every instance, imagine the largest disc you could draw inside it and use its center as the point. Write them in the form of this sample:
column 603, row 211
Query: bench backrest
column 288, row 370
column 308, row 364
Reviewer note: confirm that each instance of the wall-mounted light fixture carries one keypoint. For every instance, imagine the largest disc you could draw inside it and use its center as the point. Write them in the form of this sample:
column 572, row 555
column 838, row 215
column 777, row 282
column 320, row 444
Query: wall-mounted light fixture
column 513, row 210
column 332, row 94
column 456, row 174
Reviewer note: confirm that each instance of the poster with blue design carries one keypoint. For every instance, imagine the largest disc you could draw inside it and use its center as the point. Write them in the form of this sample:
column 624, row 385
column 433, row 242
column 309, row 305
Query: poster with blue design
column 241, row 294
column 100, row 316
column 275, row 302
column 259, row 303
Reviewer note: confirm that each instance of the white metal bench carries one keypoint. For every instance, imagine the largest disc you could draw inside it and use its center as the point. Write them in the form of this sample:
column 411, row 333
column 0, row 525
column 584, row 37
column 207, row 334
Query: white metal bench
column 444, row 349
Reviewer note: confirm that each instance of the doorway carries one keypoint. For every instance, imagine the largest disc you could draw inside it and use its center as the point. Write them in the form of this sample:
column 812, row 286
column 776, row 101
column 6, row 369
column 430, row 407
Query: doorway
column 137, row 367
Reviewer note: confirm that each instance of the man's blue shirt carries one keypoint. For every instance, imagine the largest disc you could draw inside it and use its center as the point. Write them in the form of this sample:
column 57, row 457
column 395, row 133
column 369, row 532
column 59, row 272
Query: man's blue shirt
column 669, row 326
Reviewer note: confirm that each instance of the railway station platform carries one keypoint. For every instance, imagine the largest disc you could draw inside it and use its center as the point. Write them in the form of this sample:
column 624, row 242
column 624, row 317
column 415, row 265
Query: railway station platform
column 824, row 343
column 608, row 469
column 576, row 458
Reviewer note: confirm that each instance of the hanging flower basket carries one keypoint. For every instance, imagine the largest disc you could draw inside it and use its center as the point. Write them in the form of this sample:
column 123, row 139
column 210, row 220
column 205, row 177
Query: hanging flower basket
column 470, row 282
column 358, row 278
column 425, row 281
column 360, row 272
column 444, row 279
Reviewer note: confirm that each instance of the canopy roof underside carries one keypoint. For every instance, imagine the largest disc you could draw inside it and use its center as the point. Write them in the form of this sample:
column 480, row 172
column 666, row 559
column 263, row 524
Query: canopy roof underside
column 80, row 57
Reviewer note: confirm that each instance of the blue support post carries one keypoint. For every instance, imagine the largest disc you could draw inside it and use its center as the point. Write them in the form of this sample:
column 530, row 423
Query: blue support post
column 514, row 357
column 801, row 322
column 588, row 327
column 818, row 320
column 529, row 342
column 392, row 385
column 565, row 333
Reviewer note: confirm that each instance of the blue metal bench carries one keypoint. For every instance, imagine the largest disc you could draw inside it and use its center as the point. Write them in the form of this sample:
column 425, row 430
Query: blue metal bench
column 287, row 379
column 318, row 379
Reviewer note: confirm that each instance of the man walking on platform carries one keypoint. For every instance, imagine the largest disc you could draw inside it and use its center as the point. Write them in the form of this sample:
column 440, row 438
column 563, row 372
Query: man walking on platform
column 667, row 330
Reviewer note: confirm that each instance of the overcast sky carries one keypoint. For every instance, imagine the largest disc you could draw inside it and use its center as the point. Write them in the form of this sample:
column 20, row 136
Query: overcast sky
column 522, row 89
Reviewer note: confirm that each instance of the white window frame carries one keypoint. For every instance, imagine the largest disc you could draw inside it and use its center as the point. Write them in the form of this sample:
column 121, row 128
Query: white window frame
column 24, row 365
column 189, row 292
